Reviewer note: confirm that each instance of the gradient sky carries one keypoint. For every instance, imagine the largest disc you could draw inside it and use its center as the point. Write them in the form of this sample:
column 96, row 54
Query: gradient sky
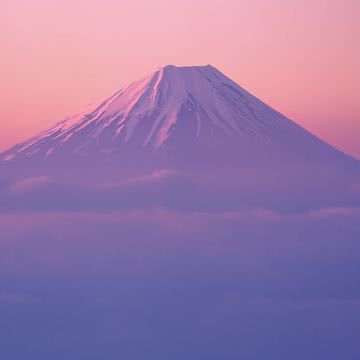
column 301, row 57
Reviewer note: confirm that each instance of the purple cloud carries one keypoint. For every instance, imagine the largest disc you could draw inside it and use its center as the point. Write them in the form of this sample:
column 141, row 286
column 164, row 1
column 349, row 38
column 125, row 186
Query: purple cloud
column 31, row 183
column 157, row 281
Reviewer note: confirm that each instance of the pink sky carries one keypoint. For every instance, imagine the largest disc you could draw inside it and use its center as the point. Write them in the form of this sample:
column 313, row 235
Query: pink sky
column 301, row 57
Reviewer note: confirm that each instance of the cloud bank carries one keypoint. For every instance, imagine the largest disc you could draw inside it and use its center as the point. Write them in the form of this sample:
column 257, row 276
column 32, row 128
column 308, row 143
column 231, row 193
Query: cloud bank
column 159, row 267
column 173, row 190
column 159, row 283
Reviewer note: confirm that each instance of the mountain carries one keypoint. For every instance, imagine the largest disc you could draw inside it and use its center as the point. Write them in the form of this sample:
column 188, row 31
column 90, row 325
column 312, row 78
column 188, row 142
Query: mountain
column 179, row 118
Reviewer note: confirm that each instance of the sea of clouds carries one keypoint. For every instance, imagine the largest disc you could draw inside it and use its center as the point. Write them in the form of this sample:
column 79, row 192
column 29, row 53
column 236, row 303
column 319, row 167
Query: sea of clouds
column 159, row 267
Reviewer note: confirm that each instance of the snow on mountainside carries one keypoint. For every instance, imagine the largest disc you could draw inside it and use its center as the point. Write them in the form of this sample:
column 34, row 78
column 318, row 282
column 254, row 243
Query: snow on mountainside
column 147, row 113
column 180, row 134
column 189, row 119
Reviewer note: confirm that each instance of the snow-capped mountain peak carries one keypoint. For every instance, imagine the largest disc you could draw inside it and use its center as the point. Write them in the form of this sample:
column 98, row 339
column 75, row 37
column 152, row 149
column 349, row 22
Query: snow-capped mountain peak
column 192, row 119
column 149, row 112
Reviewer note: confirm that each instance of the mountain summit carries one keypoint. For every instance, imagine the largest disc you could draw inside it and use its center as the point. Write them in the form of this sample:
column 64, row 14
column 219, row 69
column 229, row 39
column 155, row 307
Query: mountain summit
column 191, row 102
column 176, row 117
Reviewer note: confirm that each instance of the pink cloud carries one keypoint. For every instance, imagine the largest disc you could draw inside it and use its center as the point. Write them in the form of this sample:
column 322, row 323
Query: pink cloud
column 335, row 212
column 156, row 176
column 30, row 183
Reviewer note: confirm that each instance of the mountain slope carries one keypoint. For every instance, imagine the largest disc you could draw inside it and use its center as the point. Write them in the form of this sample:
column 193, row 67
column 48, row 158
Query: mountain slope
column 177, row 117
column 147, row 113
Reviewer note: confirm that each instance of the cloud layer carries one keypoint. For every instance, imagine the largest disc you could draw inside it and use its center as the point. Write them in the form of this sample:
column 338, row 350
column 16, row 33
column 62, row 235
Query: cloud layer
column 140, row 284
column 161, row 266
column 176, row 191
